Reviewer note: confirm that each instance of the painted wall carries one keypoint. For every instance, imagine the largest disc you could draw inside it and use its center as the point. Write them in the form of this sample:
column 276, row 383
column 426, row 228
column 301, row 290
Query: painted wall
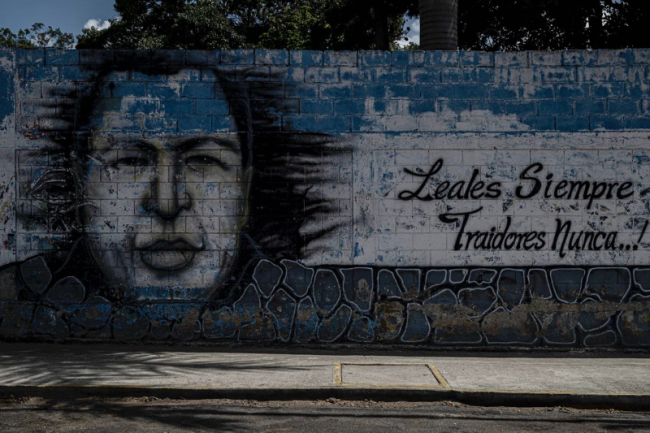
column 436, row 198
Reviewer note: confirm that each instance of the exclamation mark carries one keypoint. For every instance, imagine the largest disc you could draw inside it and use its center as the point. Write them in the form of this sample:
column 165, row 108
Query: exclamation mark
column 645, row 227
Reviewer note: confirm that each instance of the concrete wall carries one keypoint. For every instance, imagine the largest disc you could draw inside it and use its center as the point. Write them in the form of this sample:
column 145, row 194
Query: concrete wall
column 432, row 198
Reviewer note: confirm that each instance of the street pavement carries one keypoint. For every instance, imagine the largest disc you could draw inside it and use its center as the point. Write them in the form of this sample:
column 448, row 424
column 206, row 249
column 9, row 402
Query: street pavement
column 149, row 414
column 518, row 379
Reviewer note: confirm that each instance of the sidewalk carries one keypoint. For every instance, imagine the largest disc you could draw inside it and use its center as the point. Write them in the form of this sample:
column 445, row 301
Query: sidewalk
column 67, row 371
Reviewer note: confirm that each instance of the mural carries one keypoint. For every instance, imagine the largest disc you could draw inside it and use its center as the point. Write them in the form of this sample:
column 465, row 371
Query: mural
column 146, row 212
column 159, row 199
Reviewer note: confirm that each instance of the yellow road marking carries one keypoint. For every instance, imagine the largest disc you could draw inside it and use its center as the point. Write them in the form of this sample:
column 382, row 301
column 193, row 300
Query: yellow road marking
column 338, row 377
column 443, row 382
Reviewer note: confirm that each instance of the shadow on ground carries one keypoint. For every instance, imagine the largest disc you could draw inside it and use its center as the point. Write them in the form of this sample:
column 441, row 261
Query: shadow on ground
column 303, row 416
column 30, row 364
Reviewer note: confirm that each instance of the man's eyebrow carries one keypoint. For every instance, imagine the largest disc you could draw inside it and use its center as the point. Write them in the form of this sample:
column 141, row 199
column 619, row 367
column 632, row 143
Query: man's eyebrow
column 191, row 143
column 145, row 146
column 141, row 144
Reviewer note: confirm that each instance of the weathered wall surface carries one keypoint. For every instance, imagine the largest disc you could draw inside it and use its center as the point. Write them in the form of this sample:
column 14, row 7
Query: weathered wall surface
column 436, row 198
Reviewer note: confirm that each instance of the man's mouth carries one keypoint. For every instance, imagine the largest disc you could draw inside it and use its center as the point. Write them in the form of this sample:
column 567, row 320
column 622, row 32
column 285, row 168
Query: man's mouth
column 168, row 255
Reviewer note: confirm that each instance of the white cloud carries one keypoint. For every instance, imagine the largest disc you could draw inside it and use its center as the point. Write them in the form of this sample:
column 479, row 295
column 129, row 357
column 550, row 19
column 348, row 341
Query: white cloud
column 98, row 24
column 414, row 34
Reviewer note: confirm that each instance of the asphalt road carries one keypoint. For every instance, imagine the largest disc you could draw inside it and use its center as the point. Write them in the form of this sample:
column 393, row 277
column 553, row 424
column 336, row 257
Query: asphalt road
column 134, row 415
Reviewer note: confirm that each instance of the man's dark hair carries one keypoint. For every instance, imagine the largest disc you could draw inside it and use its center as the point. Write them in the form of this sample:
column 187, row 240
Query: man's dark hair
column 288, row 165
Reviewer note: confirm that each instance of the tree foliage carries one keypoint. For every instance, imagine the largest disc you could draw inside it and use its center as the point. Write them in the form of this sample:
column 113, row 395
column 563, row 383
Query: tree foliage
column 367, row 24
column 321, row 24
column 213, row 24
column 38, row 36
column 291, row 28
column 488, row 25
column 627, row 24
column 553, row 24
column 166, row 24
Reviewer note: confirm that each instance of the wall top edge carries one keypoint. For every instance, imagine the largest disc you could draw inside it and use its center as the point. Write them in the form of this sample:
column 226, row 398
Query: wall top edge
column 279, row 57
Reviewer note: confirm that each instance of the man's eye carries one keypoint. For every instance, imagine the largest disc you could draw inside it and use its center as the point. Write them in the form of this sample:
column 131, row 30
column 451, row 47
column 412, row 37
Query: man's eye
column 54, row 187
column 131, row 162
column 202, row 160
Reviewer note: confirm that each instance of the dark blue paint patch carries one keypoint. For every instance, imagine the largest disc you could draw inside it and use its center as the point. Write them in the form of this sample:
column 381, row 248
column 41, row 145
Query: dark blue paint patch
column 332, row 328
column 362, row 330
column 283, row 308
column 130, row 324
column 306, row 322
column 417, row 327
column 326, row 290
column 220, row 324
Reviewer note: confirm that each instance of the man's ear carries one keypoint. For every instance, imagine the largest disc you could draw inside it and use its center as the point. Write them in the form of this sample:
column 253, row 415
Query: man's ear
column 247, row 180
column 247, row 175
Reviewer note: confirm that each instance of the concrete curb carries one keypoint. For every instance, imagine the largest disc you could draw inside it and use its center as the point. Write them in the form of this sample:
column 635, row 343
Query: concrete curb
column 414, row 394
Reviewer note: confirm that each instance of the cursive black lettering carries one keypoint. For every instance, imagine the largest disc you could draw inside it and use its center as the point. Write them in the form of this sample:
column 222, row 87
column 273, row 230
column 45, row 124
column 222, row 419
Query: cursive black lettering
column 537, row 184
column 621, row 191
column 451, row 218
column 410, row 195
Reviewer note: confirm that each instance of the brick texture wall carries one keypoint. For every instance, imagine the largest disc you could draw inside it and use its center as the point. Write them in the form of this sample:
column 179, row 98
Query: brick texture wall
column 430, row 198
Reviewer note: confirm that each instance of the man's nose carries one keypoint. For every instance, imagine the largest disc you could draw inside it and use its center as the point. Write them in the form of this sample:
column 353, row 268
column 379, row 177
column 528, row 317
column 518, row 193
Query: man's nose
column 170, row 196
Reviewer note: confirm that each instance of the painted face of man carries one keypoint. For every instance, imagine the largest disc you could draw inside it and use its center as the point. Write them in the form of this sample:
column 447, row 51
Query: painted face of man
column 166, row 211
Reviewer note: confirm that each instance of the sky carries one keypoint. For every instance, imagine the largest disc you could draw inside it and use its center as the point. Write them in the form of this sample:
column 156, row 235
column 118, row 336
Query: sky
column 413, row 35
column 69, row 15
column 72, row 15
